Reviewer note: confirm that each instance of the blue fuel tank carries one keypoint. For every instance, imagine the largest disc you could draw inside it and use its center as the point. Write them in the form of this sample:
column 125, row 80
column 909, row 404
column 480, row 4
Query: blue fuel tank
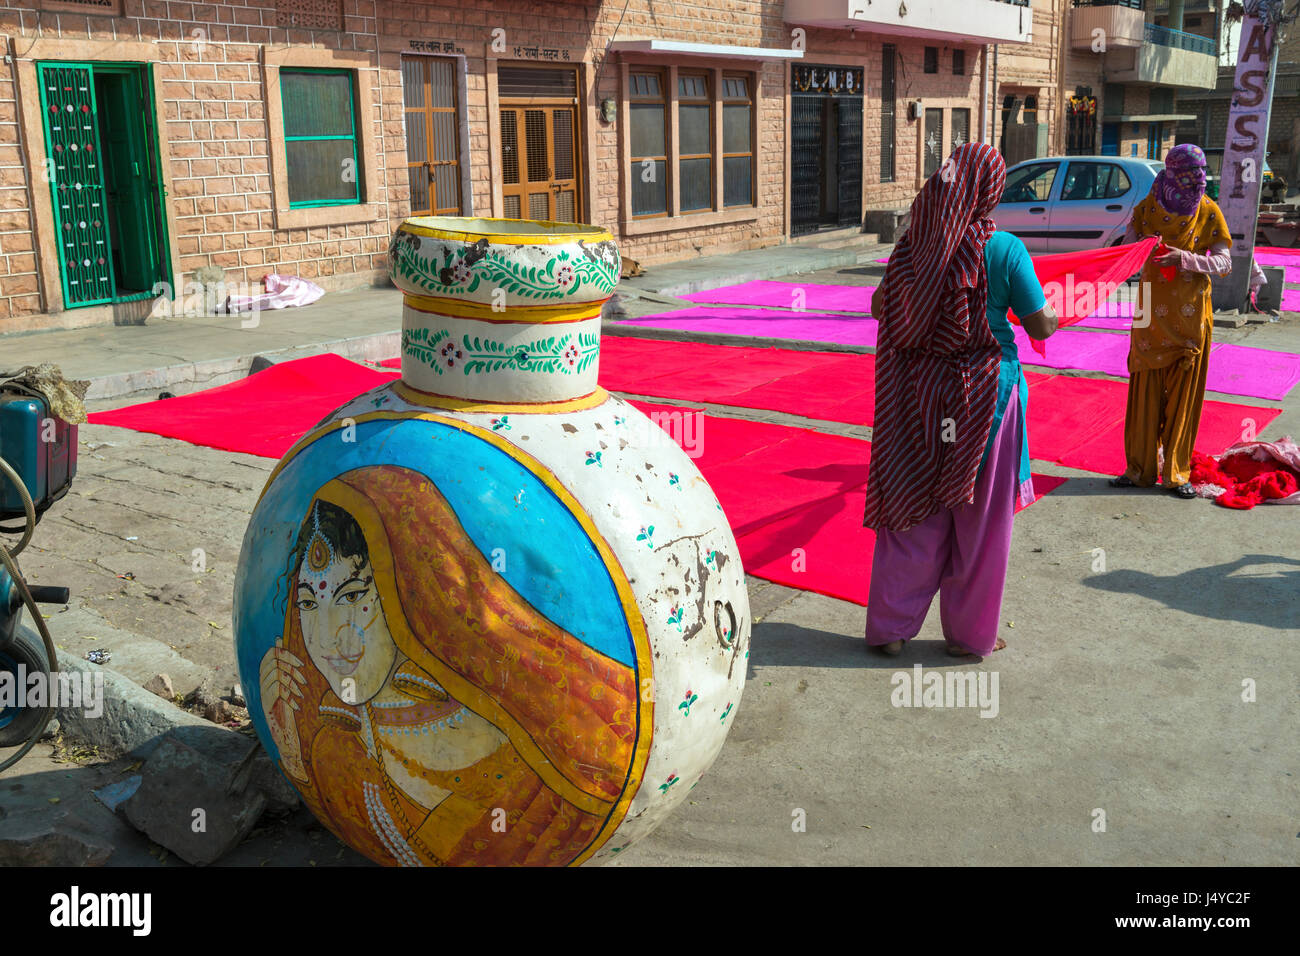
column 38, row 445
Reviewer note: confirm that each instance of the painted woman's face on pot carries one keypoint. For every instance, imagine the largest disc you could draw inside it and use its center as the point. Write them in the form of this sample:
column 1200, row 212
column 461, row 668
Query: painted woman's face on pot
column 343, row 625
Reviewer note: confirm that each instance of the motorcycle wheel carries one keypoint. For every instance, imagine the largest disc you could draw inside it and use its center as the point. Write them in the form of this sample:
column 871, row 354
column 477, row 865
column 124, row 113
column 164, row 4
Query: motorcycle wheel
column 17, row 723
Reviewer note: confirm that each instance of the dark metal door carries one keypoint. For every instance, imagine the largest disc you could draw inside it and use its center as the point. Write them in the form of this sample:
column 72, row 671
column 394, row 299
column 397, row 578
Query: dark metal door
column 128, row 180
column 805, row 163
column 849, row 159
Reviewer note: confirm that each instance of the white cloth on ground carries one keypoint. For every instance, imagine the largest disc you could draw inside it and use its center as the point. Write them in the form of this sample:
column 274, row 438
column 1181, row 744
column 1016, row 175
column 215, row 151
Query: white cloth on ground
column 281, row 292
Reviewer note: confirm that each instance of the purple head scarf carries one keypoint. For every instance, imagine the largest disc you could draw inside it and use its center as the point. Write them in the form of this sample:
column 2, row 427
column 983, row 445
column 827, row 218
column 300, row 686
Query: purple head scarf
column 1181, row 184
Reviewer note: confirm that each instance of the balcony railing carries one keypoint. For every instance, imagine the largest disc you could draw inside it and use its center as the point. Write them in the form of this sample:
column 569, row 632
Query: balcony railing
column 1163, row 36
column 1131, row 4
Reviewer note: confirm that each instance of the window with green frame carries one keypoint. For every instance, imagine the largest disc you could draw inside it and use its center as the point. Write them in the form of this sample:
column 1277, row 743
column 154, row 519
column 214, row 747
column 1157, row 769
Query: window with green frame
column 320, row 137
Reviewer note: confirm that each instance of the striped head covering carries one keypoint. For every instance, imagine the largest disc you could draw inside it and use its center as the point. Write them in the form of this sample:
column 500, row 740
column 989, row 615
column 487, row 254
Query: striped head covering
column 937, row 361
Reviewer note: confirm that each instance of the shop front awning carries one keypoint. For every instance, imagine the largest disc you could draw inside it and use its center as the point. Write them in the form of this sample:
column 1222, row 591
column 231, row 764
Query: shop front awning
column 685, row 48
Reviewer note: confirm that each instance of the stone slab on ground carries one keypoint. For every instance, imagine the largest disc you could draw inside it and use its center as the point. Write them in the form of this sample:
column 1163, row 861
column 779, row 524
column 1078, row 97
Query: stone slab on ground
column 196, row 796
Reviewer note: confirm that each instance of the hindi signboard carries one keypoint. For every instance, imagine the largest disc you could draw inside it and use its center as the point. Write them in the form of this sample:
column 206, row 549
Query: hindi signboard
column 1246, row 144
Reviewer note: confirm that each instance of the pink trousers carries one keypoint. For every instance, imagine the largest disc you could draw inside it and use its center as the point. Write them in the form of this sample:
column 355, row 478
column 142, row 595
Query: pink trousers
column 960, row 552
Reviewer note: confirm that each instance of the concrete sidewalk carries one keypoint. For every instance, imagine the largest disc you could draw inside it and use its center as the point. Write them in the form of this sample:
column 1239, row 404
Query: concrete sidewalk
column 188, row 353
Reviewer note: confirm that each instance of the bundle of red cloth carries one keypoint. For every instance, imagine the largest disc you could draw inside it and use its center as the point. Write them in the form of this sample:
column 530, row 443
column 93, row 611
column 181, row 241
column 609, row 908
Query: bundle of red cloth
column 1251, row 473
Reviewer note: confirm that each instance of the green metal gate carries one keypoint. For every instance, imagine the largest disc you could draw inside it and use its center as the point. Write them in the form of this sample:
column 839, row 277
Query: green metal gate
column 76, row 182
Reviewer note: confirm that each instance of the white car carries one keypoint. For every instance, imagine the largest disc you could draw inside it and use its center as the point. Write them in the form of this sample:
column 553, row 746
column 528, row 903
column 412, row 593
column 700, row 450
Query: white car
column 1073, row 203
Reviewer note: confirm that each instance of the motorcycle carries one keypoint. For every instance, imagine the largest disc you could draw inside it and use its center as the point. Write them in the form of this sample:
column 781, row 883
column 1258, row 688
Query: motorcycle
column 38, row 460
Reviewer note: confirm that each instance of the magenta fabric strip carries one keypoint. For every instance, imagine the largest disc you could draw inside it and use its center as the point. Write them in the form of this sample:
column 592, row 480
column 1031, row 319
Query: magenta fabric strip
column 768, row 323
column 808, row 296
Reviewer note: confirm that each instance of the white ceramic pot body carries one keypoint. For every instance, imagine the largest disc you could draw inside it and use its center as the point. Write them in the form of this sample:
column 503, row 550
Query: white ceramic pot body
column 509, row 611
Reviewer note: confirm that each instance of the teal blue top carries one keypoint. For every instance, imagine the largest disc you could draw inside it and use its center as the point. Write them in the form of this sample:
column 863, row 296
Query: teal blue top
column 1012, row 285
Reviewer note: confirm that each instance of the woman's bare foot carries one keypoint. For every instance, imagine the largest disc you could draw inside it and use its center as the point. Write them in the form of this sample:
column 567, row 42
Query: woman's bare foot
column 956, row 650
column 892, row 649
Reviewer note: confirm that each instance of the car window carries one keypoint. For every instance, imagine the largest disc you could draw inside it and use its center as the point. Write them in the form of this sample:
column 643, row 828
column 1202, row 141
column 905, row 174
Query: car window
column 1117, row 183
column 1032, row 183
column 1085, row 181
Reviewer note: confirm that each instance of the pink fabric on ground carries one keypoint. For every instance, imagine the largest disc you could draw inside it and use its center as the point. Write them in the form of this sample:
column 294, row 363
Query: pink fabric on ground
column 1287, row 258
column 1112, row 315
column 767, row 323
column 1261, row 373
column 813, row 297
column 1072, row 348
column 281, row 292
column 1234, row 369
column 961, row 553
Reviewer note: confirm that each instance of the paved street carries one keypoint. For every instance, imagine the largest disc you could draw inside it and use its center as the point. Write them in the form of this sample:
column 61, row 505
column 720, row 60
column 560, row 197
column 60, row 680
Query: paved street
column 1120, row 690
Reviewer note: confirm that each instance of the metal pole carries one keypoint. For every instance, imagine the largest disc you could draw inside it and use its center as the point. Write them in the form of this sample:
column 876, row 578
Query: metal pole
column 997, row 106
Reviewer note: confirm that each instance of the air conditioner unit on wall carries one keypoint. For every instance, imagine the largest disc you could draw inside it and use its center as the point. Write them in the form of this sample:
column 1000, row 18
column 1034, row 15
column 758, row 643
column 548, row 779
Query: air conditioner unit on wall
column 914, row 110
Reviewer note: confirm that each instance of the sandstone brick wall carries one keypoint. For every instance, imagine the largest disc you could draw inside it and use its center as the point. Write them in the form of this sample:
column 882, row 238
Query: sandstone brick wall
column 208, row 75
column 19, row 285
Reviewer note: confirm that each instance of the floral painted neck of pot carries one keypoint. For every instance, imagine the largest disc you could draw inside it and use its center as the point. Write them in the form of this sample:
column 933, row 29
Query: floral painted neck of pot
column 502, row 310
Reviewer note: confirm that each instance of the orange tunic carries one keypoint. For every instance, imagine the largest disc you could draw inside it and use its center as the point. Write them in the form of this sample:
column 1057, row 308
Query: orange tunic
column 1180, row 311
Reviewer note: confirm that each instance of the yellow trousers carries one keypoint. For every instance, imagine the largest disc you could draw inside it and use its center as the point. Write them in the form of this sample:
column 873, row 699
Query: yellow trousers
column 1164, row 409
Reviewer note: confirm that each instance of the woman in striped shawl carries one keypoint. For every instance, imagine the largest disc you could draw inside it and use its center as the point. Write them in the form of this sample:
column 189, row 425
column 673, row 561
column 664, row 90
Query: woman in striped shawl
column 949, row 453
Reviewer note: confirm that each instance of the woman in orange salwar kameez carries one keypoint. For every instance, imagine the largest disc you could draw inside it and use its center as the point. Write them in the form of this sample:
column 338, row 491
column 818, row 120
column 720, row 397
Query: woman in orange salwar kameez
column 425, row 711
column 1169, row 351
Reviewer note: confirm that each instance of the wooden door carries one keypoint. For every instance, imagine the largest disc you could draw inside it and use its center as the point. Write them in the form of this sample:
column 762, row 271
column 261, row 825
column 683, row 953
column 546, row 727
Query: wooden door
column 432, row 132
column 539, row 149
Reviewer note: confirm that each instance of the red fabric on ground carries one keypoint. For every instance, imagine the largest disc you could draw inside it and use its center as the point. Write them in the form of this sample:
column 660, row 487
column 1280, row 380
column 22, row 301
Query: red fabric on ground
column 263, row 414
column 1075, row 421
column 828, row 386
column 1079, row 422
column 794, row 498
column 1084, row 277
column 782, row 488
column 1246, row 482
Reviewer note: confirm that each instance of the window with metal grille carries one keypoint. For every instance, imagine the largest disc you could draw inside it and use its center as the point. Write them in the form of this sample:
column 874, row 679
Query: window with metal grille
column 524, row 81
column 1161, row 101
column 958, row 62
column 648, row 124
column 320, row 137
column 960, row 127
column 933, row 141
column 737, row 141
column 932, row 59
column 695, row 141
column 888, row 93
column 1112, row 95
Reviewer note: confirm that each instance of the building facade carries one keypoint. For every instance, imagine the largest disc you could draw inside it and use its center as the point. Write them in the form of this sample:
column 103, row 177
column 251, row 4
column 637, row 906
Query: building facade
column 144, row 140
column 1130, row 61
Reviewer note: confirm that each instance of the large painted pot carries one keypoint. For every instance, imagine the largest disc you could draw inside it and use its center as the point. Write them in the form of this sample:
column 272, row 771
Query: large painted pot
column 489, row 614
